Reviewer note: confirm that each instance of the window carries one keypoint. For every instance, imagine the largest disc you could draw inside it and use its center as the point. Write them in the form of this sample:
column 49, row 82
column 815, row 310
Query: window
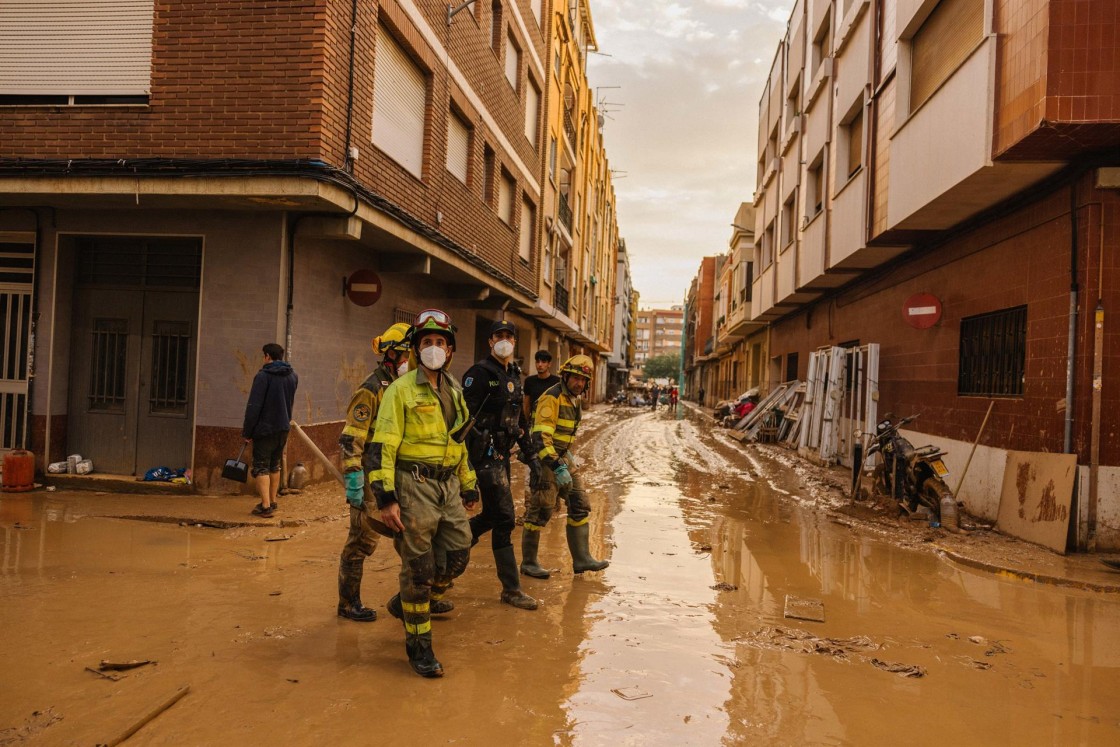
column 552, row 158
column 458, row 147
column 400, row 93
column 851, row 141
column 993, row 354
column 941, row 45
column 748, row 280
column 505, row 198
column 513, row 61
column 76, row 53
column 532, row 112
column 538, row 10
column 525, row 248
column 488, row 171
column 814, row 187
column 789, row 220
column 793, row 104
column 766, row 249
column 791, row 366
column 822, row 45
column 496, row 24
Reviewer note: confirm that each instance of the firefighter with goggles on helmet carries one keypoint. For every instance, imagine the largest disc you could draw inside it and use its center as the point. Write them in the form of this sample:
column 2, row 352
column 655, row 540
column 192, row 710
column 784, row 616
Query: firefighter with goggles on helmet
column 357, row 438
column 423, row 483
column 555, row 423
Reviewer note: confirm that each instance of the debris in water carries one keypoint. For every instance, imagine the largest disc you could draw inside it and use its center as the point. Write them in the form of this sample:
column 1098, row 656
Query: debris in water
column 631, row 693
column 705, row 548
column 113, row 677
column 997, row 648
column 275, row 593
column 724, row 586
column 800, row 608
column 981, row 665
column 978, row 639
column 151, row 714
column 793, row 639
column 906, row 670
column 294, row 682
column 281, row 538
column 953, row 636
column 121, row 666
column 38, row 721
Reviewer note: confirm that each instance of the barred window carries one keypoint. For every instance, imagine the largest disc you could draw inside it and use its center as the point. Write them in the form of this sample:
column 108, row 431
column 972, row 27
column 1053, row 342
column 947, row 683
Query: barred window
column 993, row 353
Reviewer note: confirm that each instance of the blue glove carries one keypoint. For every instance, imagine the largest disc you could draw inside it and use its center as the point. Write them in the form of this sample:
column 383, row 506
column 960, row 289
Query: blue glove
column 563, row 476
column 355, row 493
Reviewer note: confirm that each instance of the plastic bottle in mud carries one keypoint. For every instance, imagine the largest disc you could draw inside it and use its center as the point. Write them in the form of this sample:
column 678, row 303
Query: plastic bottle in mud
column 297, row 478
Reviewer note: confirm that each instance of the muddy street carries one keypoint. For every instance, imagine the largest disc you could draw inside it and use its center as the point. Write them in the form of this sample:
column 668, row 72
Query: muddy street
column 684, row 639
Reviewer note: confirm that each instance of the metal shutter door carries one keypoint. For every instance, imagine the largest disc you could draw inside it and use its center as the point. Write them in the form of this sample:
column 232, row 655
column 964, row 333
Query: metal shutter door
column 68, row 47
column 399, row 104
column 458, row 147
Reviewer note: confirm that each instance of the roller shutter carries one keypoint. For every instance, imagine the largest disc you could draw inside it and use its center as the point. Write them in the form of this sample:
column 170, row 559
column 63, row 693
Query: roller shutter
column 400, row 93
column 76, row 48
column 944, row 41
column 458, row 147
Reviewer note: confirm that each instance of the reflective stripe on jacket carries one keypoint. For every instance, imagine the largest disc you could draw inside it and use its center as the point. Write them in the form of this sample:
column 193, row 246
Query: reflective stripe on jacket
column 361, row 417
column 555, row 422
column 410, row 427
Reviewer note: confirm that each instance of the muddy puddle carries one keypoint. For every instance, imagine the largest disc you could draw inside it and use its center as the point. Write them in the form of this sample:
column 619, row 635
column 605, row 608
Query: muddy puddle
column 683, row 640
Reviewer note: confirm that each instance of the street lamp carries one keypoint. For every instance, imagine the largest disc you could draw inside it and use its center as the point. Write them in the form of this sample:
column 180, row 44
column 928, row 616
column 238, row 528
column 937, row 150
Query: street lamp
column 453, row 10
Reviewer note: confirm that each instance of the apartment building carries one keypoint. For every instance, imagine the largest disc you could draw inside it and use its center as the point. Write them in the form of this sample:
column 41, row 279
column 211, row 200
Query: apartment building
column 700, row 361
column 658, row 332
column 575, row 291
column 740, row 343
column 940, row 178
column 621, row 358
column 211, row 176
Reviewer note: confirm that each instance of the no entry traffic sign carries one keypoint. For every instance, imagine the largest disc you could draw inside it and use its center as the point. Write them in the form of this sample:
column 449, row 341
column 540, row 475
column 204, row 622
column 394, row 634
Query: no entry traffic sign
column 363, row 287
column 922, row 310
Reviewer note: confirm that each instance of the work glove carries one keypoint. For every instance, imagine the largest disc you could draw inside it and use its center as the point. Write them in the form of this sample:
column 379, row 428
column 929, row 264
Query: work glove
column 534, row 473
column 469, row 497
column 563, row 476
column 355, row 490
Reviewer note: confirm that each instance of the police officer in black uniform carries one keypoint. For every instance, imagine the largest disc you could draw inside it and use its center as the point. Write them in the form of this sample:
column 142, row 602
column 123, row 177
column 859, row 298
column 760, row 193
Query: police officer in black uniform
column 492, row 388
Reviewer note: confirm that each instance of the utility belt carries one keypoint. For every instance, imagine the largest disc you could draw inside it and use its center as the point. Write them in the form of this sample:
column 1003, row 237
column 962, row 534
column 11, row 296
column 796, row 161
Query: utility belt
column 423, row 472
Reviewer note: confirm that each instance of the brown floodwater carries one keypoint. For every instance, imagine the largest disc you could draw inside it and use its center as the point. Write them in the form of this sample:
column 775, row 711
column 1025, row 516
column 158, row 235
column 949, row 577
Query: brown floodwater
column 681, row 641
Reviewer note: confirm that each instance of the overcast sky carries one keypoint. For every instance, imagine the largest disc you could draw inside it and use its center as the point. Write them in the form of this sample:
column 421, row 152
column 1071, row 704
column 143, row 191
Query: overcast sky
column 691, row 74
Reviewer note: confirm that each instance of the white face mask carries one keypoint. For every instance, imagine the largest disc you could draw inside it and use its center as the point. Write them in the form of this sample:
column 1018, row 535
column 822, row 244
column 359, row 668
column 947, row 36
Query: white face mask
column 503, row 348
column 402, row 369
column 433, row 358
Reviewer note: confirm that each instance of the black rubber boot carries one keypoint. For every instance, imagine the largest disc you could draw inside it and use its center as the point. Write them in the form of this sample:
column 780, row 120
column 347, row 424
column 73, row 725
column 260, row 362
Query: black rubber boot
column 435, row 607
column 420, row 655
column 511, row 583
column 581, row 555
column 530, row 541
column 349, row 592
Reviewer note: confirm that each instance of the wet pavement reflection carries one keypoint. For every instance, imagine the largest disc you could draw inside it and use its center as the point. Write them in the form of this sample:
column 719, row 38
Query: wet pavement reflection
column 683, row 640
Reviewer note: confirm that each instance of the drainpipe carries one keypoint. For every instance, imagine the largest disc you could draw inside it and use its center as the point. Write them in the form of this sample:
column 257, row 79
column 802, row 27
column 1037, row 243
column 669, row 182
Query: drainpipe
column 1071, row 350
column 1098, row 385
column 347, row 161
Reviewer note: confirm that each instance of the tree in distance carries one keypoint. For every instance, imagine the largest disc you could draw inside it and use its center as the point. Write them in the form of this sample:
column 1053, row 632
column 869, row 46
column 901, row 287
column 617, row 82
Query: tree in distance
column 666, row 366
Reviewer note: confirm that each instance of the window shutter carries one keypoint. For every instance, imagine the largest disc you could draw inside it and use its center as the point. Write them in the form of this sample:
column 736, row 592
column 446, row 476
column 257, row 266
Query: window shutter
column 505, row 199
column 458, row 147
column 532, row 104
column 48, row 47
column 513, row 61
column 947, row 37
column 526, row 247
column 400, row 95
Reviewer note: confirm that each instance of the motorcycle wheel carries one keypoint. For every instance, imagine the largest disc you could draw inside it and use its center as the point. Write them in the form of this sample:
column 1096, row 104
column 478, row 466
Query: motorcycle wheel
column 930, row 494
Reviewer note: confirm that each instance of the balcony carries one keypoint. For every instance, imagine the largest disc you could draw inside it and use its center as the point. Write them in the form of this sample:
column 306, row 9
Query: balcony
column 565, row 213
column 560, row 294
column 570, row 129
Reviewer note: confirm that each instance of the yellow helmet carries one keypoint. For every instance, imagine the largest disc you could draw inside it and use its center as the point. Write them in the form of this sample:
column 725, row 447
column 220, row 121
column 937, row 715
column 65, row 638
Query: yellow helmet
column 578, row 365
column 394, row 338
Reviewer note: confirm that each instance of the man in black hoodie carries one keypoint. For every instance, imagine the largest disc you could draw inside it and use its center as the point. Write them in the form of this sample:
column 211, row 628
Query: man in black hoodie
column 268, row 415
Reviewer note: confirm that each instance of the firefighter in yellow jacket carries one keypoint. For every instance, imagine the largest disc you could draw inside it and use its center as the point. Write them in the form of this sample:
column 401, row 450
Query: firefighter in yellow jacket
column 419, row 473
column 356, row 438
column 555, row 423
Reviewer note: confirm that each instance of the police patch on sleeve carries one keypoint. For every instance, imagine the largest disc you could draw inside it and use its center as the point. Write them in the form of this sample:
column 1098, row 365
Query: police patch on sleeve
column 468, row 381
column 546, row 411
column 509, row 386
column 361, row 413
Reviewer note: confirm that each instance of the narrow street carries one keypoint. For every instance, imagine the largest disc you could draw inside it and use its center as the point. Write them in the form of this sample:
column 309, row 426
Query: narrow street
column 682, row 640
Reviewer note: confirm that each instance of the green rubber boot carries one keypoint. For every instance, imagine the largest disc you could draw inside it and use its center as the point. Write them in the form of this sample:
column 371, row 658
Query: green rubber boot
column 530, row 541
column 581, row 555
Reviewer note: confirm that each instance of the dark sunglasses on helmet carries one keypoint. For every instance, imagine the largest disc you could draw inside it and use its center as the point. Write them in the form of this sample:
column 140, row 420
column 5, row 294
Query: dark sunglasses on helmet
column 435, row 316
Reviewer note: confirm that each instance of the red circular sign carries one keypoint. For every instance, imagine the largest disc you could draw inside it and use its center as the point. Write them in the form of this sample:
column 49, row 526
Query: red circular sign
column 922, row 310
column 363, row 287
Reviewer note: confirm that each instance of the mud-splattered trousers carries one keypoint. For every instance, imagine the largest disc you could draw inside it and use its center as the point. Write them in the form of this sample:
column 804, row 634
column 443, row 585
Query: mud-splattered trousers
column 435, row 527
column 543, row 498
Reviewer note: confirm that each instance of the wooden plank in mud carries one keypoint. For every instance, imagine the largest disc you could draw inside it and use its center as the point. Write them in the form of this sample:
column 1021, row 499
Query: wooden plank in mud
column 1035, row 501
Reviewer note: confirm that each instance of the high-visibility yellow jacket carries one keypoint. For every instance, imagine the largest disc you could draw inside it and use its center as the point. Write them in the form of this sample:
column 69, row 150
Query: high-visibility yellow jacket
column 410, row 427
column 555, row 422
column 361, row 417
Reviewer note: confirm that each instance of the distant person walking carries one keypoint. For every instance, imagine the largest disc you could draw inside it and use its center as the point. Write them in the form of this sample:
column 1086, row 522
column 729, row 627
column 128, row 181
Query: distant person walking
column 654, row 394
column 700, row 397
column 268, row 415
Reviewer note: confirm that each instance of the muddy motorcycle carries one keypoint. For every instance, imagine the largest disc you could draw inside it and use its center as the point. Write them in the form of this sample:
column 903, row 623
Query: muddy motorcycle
column 912, row 477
